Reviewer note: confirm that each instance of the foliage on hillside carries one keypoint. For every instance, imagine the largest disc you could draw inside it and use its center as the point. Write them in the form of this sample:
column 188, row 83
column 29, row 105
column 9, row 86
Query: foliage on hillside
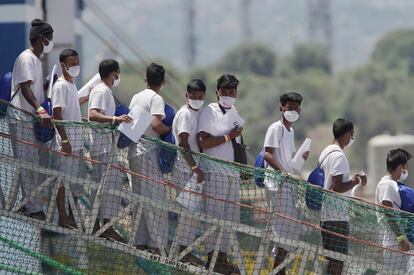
column 376, row 97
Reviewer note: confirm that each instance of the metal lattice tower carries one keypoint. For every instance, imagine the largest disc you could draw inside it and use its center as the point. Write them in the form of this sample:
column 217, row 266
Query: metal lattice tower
column 190, row 38
column 320, row 23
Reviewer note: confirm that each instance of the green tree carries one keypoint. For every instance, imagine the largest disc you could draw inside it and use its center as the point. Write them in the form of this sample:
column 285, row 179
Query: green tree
column 249, row 58
column 305, row 57
column 395, row 50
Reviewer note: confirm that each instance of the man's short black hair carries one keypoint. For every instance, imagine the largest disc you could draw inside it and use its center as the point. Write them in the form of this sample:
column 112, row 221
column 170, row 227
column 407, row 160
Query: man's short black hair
column 196, row 85
column 155, row 75
column 67, row 53
column 396, row 158
column 227, row 81
column 290, row 97
column 108, row 66
column 341, row 127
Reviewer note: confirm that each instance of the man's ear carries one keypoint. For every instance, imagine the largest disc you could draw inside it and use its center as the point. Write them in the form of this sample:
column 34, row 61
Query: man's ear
column 146, row 82
column 280, row 108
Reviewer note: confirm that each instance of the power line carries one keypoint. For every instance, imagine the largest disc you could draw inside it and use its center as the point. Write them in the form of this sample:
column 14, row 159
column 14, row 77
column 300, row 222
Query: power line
column 110, row 24
column 176, row 101
column 130, row 44
column 109, row 45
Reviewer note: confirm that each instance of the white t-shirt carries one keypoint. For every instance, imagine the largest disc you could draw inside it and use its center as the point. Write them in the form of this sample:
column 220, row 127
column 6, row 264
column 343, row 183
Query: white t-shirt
column 334, row 163
column 27, row 67
column 186, row 121
column 152, row 103
column 211, row 121
column 65, row 95
column 282, row 140
column 101, row 98
column 387, row 190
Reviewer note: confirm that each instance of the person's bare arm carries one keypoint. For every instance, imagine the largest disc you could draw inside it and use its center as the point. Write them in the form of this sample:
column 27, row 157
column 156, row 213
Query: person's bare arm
column 404, row 244
column 188, row 156
column 158, row 126
column 83, row 99
column 206, row 140
column 342, row 187
column 66, row 146
column 27, row 93
column 269, row 158
column 97, row 116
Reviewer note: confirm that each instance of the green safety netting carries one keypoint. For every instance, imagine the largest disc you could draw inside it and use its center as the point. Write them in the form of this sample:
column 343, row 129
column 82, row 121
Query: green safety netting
column 105, row 210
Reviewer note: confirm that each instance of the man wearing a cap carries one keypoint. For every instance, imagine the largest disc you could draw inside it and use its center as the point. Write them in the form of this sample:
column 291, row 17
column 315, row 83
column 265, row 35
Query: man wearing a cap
column 27, row 93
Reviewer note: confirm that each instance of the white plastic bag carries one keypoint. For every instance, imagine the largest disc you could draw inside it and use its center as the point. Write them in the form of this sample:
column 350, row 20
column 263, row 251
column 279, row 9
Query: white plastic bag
column 187, row 198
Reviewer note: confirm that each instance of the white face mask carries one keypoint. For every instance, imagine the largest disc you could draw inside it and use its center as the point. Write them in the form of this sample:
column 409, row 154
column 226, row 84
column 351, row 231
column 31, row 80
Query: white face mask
column 48, row 48
column 291, row 116
column 404, row 175
column 351, row 141
column 73, row 71
column 227, row 101
column 116, row 81
column 195, row 103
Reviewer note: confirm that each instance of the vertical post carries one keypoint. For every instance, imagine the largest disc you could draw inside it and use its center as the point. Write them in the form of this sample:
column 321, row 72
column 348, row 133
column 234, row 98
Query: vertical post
column 190, row 39
column 246, row 19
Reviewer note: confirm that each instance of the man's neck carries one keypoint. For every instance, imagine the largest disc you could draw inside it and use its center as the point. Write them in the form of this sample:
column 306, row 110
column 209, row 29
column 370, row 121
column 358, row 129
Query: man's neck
column 223, row 109
column 156, row 90
column 191, row 108
column 287, row 124
column 67, row 77
column 36, row 52
column 393, row 176
column 338, row 143
column 108, row 82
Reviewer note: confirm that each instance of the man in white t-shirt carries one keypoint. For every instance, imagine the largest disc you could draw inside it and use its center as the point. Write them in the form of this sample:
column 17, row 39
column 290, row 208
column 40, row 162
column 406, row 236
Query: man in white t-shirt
column 27, row 93
column 334, row 212
column 66, row 106
column 102, row 109
column 279, row 146
column 222, row 186
column 388, row 195
column 152, row 232
column 184, row 128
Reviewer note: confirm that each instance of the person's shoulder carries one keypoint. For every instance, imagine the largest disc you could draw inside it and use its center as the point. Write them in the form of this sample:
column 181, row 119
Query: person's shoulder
column 158, row 97
column 60, row 84
column 387, row 182
column 184, row 114
column 26, row 56
column 183, row 111
column 209, row 109
column 213, row 106
column 136, row 96
column 275, row 126
column 100, row 88
column 332, row 151
column 147, row 94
